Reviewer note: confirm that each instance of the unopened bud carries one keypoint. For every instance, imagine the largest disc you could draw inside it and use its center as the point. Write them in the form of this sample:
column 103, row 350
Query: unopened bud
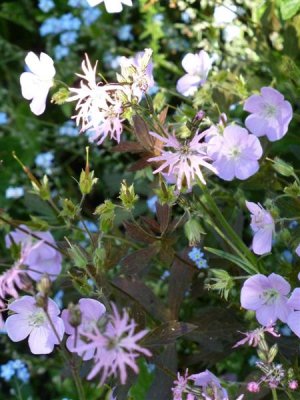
column 253, row 387
column 42, row 188
column 87, row 180
column 70, row 210
column 128, row 196
column 44, row 285
column 75, row 315
column 282, row 167
column 60, row 97
column 193, row 231
column 293, row 385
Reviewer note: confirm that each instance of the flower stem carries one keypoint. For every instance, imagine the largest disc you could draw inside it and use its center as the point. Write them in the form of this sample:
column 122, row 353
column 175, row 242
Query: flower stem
column 69, row 358
column 274, row 394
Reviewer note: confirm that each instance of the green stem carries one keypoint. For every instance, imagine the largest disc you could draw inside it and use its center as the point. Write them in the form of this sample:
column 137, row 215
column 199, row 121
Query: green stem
column 274, row 394
column 229, row 234
column 69, row 359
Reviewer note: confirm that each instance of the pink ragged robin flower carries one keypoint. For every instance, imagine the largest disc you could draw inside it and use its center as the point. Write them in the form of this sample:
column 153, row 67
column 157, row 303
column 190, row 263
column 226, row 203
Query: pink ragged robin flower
column 253, row 337
column 115, row 347
column 183, row 160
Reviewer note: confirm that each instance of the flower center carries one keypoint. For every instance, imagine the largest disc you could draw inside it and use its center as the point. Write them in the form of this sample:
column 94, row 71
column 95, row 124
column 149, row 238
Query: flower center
column 269, row 110
column 270, row 296
column 234, row 152
column 37, row 318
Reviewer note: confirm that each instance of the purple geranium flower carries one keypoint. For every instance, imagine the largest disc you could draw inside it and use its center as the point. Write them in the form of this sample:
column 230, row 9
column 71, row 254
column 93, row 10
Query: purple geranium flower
column 235, row 153
column 31, row 320
column 271, row 114
column 37, row 255
column 294, row 316
column 263, row 226
column 197, row 67
column 210, row 385
column 91, row 311
column 267, row 295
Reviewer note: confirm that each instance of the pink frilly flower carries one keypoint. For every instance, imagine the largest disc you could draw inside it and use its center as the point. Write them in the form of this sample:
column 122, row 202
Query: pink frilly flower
column 267, row 296
column 263, row 226
column 184, row 161
column 197, row 67
column 253, row 337
column 115, row 347
column 37, row 255
column 91, row 311
column 270, row 114
column 31, row 320
column 235, row 153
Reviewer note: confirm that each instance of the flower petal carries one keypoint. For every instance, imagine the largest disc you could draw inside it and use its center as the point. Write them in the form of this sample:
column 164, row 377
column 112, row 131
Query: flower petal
column 17, row 327
column 262, row 241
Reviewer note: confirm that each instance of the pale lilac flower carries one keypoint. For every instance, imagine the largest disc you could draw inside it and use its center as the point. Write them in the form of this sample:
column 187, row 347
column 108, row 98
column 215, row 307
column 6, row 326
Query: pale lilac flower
column 235, row 153
column 91, row 311
column 293, row 320
column 225, row 14
column 267, row 296
column 297, row 250
column 115, row 348
column 137, row 72
column 210, row 385
column 263, row 227
column 270, row 114
column 36, row 84
column 197, row 67
column 36, row 255
column 31, row 320
column 254, row 337
column 95, row 100
column 185, row 160
column 112, row 6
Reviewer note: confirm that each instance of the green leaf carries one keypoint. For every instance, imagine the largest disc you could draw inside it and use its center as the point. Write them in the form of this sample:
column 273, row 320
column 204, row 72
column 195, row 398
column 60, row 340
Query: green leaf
column 289, row 8
column 230, row 257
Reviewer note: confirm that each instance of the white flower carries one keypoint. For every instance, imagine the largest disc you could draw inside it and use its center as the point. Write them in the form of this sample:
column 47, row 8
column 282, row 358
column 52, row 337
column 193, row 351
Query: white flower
column 14, row 192
column 225, row 14
column 93, row 98
column 112, row 6
column 35, row 84
column 197, row 67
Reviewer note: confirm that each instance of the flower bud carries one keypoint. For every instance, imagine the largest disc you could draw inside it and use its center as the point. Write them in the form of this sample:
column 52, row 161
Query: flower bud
column 193, row 231
column 293, row 385
column 87, row 180
column 106, row 211
column 70, row 210
column 61, row 96
column 42, row 188
column 282, row 167
column 44, row 285
column 128, row 196
column 253, row 387
column 74, row 315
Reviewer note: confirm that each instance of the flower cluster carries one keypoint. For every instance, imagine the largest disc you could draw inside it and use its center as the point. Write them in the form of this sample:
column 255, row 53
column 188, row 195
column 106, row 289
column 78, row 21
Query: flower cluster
column 101, row 106
column 197, row 256
column 14, row 368
column 204, row 385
